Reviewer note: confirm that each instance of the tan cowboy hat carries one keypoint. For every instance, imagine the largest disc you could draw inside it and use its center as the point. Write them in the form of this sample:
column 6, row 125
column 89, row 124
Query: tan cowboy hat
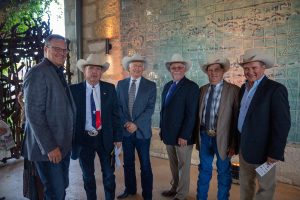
column 135, row 58
column 224, row 62
column 93, row 59
column 252, row 55
column 177, row 58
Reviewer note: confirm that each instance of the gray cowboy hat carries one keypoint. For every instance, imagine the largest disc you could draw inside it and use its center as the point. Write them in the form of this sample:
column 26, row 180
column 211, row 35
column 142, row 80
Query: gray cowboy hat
column 252, row 55
column 134, row 58
column 215, row 59
column 177, row 58
column 95, row 60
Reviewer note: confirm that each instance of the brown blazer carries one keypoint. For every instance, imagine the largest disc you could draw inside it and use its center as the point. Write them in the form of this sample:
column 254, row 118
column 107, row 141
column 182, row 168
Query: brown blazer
column 226, row 120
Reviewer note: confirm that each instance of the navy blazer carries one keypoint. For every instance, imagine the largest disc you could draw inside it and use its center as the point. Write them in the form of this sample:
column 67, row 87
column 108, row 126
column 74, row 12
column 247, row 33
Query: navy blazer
column 177, row 118
column 267, row 123
column 143, row 106
column 111, row 127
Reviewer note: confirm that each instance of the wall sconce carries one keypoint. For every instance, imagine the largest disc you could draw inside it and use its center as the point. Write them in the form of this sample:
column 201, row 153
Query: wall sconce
column 108, row 46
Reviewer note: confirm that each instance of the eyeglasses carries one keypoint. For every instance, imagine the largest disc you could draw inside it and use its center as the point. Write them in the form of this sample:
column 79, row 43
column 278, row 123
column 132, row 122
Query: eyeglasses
column 179, row 68
column 58, row 49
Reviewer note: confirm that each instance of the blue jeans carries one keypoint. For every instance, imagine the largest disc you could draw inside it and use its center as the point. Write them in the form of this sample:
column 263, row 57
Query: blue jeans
column 55, row 177
column 208, row 148
column 142, row 146
column 86, row 161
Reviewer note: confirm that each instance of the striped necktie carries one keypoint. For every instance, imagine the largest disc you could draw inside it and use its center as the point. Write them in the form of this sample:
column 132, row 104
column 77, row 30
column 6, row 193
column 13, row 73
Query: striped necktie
column 131, row 96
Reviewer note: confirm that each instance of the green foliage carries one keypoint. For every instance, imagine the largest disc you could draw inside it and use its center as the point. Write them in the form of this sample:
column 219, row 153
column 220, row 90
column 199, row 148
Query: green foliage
column 20, row 14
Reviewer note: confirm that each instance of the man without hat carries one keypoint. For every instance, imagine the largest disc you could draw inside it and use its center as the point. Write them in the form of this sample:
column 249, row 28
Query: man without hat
column 98, row 128
column 263, row 123
column 50, row 116
column 177, row 121
column 216, row 124
column 137, row 97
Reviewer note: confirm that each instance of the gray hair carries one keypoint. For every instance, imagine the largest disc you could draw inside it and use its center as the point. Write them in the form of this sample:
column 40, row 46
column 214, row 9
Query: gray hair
column 54, row 37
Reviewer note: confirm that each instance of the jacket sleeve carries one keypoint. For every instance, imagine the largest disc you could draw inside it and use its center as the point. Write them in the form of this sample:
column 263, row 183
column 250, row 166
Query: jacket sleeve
column 145, row 117
column 280, row 123
column 191, row 108
column 35, row 95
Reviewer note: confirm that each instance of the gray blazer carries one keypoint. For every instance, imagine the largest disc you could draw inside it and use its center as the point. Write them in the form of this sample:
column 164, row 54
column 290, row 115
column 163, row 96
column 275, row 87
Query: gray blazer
column 49, row 113
column 143, row 106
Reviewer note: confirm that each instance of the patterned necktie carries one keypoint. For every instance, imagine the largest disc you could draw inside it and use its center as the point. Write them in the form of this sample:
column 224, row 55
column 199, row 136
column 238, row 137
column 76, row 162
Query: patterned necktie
column 170, row 92
column 95, row 110
column 208, row 107
column 131, row 96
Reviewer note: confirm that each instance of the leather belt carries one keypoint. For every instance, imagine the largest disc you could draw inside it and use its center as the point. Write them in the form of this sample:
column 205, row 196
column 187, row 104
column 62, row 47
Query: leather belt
column 92, row 133
column 209, row 132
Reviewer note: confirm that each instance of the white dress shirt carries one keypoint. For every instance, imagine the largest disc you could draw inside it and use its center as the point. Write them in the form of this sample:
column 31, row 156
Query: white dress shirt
column 88, row 115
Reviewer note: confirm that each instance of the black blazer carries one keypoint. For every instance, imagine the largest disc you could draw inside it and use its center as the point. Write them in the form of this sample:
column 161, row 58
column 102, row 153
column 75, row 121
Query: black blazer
column 267, row 123
column 177, row 118
column 111, row 127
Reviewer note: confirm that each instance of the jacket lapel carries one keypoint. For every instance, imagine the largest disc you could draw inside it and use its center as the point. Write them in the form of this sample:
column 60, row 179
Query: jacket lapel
column 224, row 98
column 259, row 93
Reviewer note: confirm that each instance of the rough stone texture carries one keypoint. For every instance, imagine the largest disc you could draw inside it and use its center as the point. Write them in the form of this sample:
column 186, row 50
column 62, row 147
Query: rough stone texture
column 289, row 170
column 153, row 29
column 89, row 14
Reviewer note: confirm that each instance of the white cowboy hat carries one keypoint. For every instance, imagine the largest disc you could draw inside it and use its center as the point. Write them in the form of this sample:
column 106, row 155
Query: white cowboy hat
column 93, row 59
column 177, row 58
column 252, row 55
column 135, row 58
column 224, row 62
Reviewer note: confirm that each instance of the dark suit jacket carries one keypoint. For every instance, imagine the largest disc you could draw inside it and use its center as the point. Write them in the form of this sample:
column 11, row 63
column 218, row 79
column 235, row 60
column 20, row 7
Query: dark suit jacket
column 267, row 123
column 50, row 114
column 143, row 107
column 177, row 118
column 111, row 128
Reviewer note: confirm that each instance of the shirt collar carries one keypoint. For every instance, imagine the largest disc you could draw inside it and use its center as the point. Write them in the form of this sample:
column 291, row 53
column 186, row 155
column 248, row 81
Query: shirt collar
column 137, row 80
column 219, row 84
column 90, row 86
column 256, row 83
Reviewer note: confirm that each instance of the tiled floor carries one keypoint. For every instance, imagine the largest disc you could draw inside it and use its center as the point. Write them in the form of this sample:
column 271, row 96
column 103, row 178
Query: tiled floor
column 11, row 182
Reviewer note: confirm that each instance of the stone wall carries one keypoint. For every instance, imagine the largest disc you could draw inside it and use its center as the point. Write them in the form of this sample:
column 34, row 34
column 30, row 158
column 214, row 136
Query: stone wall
column 197, row 29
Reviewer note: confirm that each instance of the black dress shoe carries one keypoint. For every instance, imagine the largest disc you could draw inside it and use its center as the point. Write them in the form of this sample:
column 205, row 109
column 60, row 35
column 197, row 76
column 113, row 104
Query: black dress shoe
column 124, row 195
column 169, row 193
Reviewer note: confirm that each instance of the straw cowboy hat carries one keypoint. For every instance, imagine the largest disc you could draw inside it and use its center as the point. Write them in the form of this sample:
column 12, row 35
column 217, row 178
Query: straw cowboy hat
column 135, row 58
column 252, row 55
column 177, row 58
column 224, row 62
column 95, row 60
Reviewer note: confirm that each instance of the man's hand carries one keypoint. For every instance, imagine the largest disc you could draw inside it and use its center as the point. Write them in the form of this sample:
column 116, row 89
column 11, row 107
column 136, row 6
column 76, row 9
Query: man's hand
column 118, row 144
column 130, row 127
column 2, row 130
column 182, row 142
column 55, row 155
column 271, row 160
column 230, row 152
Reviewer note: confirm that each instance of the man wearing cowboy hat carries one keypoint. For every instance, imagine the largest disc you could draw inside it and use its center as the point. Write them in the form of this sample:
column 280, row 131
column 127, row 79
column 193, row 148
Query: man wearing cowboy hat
column 50, row 116
column 263, row 122
column 137, row 97
column 215, row 130
column 98, row 127
column 177, row 120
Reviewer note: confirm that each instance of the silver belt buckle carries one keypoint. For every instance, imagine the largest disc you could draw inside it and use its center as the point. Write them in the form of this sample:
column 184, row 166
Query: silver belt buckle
column 211, row 132
column 92, row 133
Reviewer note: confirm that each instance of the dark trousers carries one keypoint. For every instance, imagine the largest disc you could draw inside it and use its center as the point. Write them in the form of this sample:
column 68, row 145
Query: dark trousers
column 55, row 178
column 142, row 146
column 86, row 161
